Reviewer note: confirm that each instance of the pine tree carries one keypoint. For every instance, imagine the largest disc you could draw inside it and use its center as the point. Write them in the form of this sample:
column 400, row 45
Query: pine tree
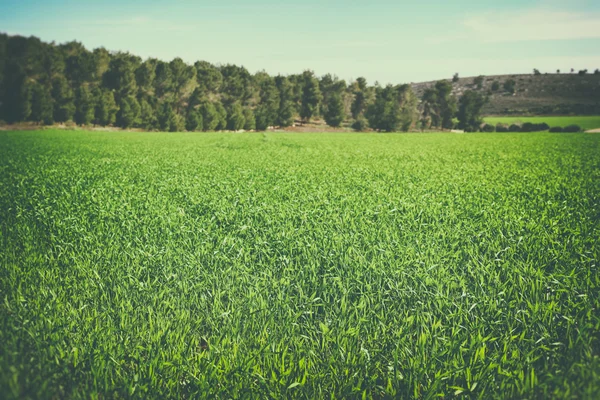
column 335, row 113
column 311, row 96
column 249, row 120
column 129, row 112
column 84, row 106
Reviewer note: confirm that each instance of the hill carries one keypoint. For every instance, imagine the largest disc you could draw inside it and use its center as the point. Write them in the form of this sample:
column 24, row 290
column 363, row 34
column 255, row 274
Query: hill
column 557, row 94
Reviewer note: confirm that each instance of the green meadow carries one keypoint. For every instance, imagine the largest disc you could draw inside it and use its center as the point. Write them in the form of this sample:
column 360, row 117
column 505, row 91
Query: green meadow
column 585, row 122
column 266, row 265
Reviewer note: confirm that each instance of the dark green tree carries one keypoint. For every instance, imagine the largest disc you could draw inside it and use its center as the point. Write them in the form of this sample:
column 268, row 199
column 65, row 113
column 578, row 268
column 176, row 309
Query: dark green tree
column 249, row 120
column 335, row 114
column 64, row 99
column 84, row 106
column 129, row 112
column 311, row 96
column 148, row 115
column 469, row 111
column 235, row 117
column 41, row 104
column 193, row 120
column 509, row 86
column 105, row 112
column 286, row 110
column 222, row 116
column 210, row 117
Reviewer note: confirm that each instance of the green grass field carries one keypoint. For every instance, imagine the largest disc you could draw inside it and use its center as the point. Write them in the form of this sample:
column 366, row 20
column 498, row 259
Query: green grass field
column 585, row 122
column 154, row 265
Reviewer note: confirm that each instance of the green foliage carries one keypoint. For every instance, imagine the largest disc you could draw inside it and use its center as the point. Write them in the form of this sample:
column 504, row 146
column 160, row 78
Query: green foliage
column 148, row 115
column 235, row 117
column 249, row 120
column 221, row 116
column 286, row 110
column 360, row 124
column 129, row 112
column 394, row 109
column 41, row 104
column 152, row 266
column 120, row 76
column 478, row 81
column 572, row 128
column 585, row 122
column 208, row 77
column 311, row 96
column 495, row 86
column 455, row 78
column 361, row 98
column 105, row 112
column 64, row 100
column 501, row 128
column 193, row 121
column 85, row 106
column 488, row 128
column 261, row 114
column 210, row 118
column 556, row 129
column 439, row 106
column 145, row 75
column 509, row 85
column 536, row 72
column 335, row 114
column 469, row 111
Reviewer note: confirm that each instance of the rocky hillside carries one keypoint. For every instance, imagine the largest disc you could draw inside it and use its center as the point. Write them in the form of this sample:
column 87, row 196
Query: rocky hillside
column 556, row 94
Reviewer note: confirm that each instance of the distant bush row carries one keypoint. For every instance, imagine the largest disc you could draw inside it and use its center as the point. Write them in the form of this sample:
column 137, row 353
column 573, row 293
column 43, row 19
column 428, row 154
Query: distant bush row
column 529, row 127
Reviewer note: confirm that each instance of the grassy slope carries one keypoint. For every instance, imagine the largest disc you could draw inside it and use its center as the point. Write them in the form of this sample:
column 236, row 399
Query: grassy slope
column 586, row 122
column 149, row 265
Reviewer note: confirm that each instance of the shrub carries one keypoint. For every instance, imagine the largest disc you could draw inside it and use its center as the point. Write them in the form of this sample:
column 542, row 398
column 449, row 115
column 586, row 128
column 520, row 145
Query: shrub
column 572, row 128
column 556, row 129
column 583, row 72
column 527, row 127
column 360, row 125
column 488, row 128
column 495, row 86
column 509, row 86
column 514, row 128
column 501, row 128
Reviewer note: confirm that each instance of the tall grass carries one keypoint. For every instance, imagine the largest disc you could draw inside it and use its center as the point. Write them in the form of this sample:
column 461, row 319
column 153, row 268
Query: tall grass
column 303, row 266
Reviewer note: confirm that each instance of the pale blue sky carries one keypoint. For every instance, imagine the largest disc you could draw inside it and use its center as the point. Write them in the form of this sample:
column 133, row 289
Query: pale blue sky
column 384, row 40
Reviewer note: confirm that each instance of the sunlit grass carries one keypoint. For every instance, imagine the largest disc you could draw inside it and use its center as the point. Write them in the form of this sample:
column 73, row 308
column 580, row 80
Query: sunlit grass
column 153, row 265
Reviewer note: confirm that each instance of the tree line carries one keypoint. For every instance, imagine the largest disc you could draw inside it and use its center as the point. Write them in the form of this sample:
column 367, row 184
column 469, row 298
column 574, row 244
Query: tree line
column 51, row 83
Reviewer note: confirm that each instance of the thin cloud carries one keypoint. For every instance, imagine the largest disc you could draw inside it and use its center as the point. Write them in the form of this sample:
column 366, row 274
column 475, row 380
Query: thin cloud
column 533, row 24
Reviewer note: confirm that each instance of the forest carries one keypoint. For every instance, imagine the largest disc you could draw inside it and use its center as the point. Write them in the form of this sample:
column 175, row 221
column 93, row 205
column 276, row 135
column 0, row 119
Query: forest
column 50, row 83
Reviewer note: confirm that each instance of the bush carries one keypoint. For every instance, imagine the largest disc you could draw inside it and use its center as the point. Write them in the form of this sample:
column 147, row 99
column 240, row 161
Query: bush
column 495, row 86
column 556, row 129
column 531, row 127
column 501, row 128
column 488, row 128
column 572, row 128
column 360, row 125
column 509, row 86
column 514, row 128
column 527, row 127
